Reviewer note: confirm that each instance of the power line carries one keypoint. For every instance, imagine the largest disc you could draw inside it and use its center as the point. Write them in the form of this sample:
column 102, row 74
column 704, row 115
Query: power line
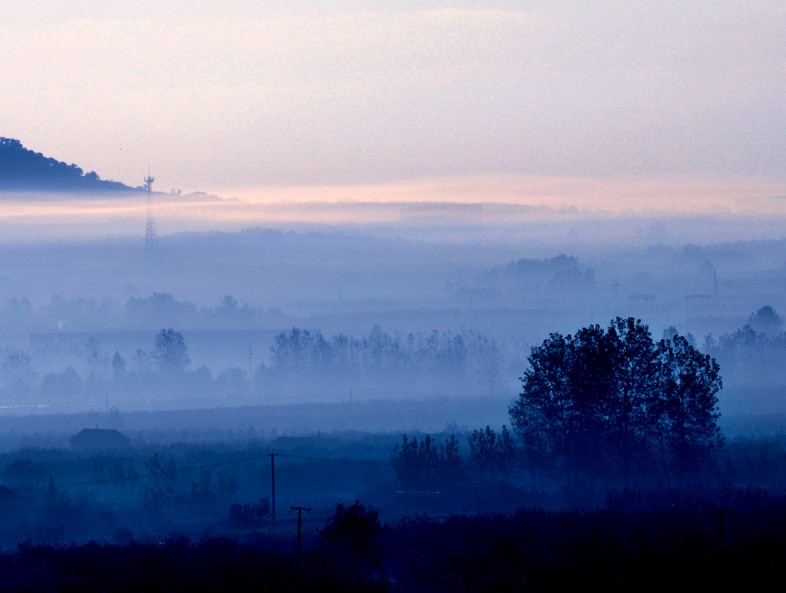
column 133, row 477
column 338, row 460
column 155, row 475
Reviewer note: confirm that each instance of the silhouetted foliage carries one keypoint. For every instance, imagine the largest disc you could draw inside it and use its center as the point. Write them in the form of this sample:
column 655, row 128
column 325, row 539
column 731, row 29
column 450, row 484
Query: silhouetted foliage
column 545, row 551
column 492, row 456
column 353, row 529
column 66, row 384
column 556, row 277
column 750, row 356
column 23, row 169
column 170, row 352
column 381, row 360
column 685, row 411
column 249, row 515
column 766, row 320
column 426, row 466
column 613, row 402
column 161, row 308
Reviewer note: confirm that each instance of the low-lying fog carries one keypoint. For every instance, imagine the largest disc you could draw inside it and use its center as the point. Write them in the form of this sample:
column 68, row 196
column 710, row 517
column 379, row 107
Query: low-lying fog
column 361, row 300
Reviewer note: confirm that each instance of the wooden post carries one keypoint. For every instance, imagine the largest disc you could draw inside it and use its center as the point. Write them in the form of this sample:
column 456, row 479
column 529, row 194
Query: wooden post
column 299, row 515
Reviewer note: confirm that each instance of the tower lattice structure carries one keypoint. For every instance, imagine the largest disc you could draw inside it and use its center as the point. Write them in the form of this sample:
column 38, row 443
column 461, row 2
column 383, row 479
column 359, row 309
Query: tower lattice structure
column 151, row 237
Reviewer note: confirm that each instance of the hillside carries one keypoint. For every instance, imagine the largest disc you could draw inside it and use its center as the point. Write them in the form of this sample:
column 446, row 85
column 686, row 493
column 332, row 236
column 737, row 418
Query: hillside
column 24, row 170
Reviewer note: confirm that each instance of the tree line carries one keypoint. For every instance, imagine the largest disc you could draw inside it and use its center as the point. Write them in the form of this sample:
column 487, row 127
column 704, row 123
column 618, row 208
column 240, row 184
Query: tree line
column 159, row 309
column 301, row 361
column 431, row 466
column 23, row 169
column 599, row 406
column 753, row 354
column 380, row 361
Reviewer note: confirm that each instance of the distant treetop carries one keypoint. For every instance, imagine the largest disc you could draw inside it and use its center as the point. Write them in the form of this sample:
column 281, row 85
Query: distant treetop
column 766, row 320
column 24, row 170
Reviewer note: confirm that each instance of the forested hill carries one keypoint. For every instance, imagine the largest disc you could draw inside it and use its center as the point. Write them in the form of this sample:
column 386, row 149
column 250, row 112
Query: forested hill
column 24, row 170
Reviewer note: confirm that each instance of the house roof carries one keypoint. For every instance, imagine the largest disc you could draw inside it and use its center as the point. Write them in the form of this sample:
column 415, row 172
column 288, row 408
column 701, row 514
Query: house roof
column 100, row 438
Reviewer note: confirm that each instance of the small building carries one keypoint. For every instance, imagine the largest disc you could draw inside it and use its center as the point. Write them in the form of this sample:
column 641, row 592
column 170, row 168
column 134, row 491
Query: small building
column 97, row 439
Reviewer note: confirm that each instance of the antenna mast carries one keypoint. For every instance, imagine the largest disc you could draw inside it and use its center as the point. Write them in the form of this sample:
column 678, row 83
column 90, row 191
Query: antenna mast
column 151, row 237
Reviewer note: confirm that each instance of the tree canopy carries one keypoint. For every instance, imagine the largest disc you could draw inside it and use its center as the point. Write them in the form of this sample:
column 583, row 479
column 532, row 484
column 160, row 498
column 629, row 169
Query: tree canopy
column 170, row 352
column 766, row 320
column 24, row 170
column 613, row 402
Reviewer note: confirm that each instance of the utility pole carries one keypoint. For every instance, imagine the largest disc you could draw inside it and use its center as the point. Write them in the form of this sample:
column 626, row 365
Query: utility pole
column 720, row 512
column 299, row 515
column 273, row 483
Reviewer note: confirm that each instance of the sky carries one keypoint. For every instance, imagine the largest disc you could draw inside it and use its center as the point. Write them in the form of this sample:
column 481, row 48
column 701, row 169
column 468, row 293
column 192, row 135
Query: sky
column 355, row 98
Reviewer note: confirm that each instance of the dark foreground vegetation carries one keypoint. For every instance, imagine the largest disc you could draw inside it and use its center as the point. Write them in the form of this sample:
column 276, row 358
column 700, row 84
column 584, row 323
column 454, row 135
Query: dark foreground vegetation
column 198, row 518
column 528, row 550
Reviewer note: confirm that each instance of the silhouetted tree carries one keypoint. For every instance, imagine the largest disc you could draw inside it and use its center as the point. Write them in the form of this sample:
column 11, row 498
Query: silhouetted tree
column 426, row 466
column 593, row 401
column 686, row 407
column 161, row 308
column 229, row 303
column 66, row 384
column 353, row 529
column 672, row 331
column 491, row 455
column 119, row 366
column 766, row 320
column 250, row 514
column 632, row 383
column 16, row 372
column 170, row 352
column 750, row 357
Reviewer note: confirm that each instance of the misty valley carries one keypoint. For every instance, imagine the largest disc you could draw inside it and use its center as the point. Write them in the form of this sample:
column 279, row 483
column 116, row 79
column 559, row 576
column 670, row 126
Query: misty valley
column 380, row 511
column 441, row 413
column 267, row 317
column 392, row 297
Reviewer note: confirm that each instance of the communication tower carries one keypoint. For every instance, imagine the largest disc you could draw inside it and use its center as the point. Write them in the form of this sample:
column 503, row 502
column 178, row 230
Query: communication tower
column 151, row 237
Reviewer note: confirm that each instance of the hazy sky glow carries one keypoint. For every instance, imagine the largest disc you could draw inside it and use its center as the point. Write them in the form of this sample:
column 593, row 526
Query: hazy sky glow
column 511, row 206
column 662, row 95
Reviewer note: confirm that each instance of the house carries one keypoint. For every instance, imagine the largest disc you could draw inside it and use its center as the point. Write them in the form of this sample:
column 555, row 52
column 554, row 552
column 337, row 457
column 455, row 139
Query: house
column 96, row 439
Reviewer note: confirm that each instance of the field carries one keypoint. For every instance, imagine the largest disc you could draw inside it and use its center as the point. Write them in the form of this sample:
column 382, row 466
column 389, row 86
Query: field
column 202, row 497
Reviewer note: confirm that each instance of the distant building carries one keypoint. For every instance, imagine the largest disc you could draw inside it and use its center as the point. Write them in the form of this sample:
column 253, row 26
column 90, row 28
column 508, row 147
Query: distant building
column 96, row 439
